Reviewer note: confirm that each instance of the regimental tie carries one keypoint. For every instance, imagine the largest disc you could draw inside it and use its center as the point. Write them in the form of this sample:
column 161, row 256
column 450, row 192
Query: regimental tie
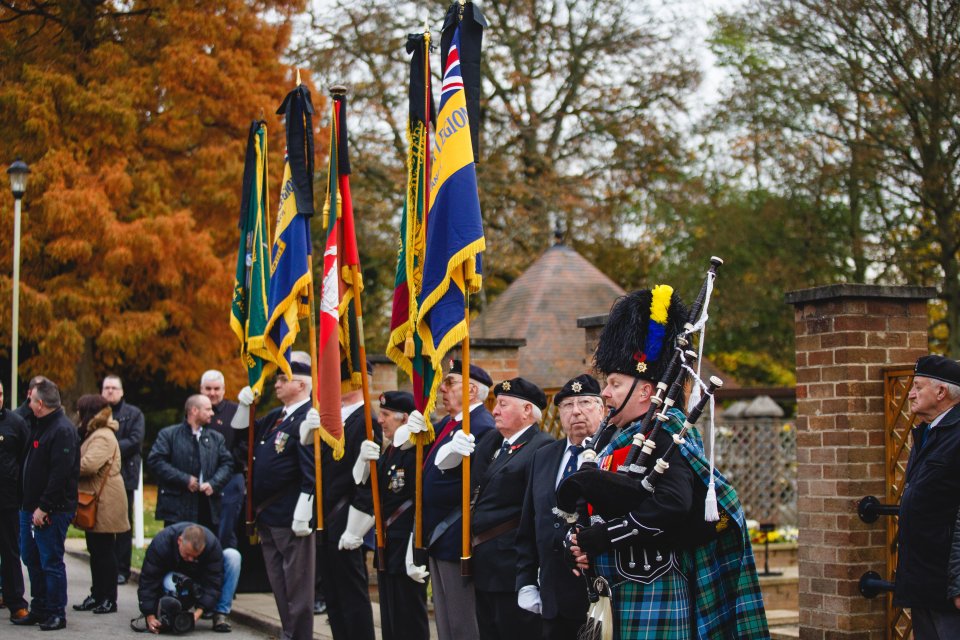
column 504, row 448
column 574, row 450
column 283, row 416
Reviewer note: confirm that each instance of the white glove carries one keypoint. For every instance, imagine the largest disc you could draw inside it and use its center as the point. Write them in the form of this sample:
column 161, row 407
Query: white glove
column 309, row 424
column 246, row 396
column 358, row 523
column 369, row 452
column 416, row 423
column 417, row 572
column 452, row 453
column 302, row 515
column 401, row 438
column 529, row 598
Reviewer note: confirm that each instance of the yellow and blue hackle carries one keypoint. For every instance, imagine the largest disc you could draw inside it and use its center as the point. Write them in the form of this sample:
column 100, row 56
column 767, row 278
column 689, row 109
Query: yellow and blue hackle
column 657, row 327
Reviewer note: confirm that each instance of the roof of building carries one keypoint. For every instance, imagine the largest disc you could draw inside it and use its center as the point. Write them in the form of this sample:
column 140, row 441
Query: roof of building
column 542, row 306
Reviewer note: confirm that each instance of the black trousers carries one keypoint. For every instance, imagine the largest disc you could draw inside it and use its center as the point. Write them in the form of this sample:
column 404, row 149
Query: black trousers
column 345, row 591
column 103, row 565
column 11, row 573
column 499, row 617
column 403, row 607
column 561, row 628
column 124, row 545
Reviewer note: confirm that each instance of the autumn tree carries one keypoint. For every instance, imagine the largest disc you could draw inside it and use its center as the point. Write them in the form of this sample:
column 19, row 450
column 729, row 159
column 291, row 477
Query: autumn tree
column 580, row 123
column 872, row 88
column 133, row 118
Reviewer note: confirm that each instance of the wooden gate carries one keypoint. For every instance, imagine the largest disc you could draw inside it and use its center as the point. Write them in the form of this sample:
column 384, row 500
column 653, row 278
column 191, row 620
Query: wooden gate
column 898, row 421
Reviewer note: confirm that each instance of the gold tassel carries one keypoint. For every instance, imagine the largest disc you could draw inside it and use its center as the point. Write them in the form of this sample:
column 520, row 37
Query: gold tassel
column 408, row 349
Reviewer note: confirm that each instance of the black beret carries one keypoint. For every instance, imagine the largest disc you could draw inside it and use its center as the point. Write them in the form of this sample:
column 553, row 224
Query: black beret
column 399, row 401
column 476, row 373
column 345, row 371
column 523, row 389
column 938, row 368
column 300, row 368
column 582, row 385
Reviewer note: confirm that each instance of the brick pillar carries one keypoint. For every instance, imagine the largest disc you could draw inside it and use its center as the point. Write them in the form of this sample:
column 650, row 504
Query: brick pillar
column 384, row 378
column 845, row 336
column 500, row 357
column 592, row 326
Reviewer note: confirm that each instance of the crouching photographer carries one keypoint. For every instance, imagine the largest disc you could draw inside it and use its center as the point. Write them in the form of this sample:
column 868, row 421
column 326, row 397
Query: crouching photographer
column 185, row 574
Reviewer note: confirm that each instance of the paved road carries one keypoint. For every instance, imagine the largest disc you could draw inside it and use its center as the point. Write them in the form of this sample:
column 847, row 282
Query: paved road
column 117, row 625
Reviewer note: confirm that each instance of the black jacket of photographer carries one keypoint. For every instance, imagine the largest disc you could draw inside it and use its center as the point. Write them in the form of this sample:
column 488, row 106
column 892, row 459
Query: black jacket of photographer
column 176, row 455
column 52, row 466
column 163, row 556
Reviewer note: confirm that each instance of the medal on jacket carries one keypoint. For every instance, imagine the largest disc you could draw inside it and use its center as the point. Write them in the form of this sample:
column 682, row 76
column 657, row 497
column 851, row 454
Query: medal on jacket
column 397, row 479
column 280, row 443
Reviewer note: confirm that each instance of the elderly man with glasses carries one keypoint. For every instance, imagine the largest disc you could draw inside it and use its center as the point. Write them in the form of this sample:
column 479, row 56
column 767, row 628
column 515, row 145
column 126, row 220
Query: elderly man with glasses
column 545, row 584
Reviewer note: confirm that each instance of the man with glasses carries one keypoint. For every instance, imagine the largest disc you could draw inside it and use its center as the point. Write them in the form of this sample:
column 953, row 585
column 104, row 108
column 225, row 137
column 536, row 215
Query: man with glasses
column 545, row 584
column 453, row 594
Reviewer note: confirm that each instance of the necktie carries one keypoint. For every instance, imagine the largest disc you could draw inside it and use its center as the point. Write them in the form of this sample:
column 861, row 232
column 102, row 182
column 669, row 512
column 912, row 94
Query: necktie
column 505, row 447
column 923, row 437
column 574, row 451
column 283, row 416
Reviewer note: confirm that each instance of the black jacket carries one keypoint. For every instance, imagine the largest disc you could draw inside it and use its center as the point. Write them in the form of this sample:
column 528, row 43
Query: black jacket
column 340, row 492
column 14, row 435
column 52, row 467
column 499, row 485
column 396, row 471
column 235, row 439
column 282, row 467
column 163, row 556
column 928, row 515
column 130, row 436
column 176, row 455
column 539, row 540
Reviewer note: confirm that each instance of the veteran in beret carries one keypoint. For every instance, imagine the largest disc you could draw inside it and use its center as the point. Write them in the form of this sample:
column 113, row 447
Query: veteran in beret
column 402, row 585
column 500, row 472
column 928, row 559
column 545, row 584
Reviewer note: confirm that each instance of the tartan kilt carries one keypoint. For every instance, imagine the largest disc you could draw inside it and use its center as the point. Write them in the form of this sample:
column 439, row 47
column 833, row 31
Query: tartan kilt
column 656, row 611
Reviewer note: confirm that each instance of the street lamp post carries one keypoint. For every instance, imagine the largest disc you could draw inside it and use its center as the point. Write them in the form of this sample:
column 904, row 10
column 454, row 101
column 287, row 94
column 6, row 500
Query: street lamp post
column 18, row 185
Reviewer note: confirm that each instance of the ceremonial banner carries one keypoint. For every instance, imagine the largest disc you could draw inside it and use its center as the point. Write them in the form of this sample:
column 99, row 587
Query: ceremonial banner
column 248, row 315
column 452, row 265
column 349, row 256
column 404, row 346
column 290, row 277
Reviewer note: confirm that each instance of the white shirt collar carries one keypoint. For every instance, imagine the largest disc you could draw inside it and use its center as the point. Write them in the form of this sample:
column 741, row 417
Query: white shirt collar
column 937, row 420
column 517, row 435
column 290, row 408
column 347, row 411
column 459, row 416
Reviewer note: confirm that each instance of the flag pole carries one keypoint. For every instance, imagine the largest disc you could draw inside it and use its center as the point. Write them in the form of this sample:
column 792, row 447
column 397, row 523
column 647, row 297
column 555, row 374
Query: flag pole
column 338, row 93
column 251, row 526
column 312, row 336
column 465, row 560
column 420, row 551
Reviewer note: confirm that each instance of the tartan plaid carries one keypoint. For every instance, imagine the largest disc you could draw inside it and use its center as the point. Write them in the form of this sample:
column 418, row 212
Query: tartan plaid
column 656, row 611
column 727, row 594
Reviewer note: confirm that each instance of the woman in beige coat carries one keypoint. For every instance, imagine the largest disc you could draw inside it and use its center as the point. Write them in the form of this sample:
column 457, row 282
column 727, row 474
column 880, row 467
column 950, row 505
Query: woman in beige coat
column 99, row 455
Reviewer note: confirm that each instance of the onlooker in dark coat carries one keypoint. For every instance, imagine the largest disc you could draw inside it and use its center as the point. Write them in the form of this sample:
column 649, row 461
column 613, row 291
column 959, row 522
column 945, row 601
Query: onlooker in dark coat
column 24, row 409
column 50, row 473
column 100, row 476
column 14, row 435
column 192, row 465
column 193, row 551
column 130, row 436
column 213, row 386
column 928, row 574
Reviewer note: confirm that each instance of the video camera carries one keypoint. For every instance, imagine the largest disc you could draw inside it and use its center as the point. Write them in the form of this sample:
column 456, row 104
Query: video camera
column 173, row 611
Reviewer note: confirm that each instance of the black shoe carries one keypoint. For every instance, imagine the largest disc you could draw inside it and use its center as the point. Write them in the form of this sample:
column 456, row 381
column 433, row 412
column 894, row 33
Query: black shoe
column 220, row 623
column 319, row 606
column 29, row 619
column 53, row 623
column 122, row 579
column 107, row 606
column 88, row 604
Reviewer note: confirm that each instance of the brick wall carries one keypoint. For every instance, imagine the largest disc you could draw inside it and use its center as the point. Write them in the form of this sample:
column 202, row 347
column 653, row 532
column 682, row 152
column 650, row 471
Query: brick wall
column 500, row 357
column 845, row 336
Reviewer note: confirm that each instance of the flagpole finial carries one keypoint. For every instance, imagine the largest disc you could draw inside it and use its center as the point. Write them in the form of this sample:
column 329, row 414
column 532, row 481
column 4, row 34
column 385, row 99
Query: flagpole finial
column 463, row 5
column 338, row 91
column 426, row 24
column 299, row 81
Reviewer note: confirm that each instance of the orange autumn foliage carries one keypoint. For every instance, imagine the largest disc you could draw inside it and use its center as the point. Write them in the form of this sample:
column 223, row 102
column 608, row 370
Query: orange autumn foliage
column 133, row 118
